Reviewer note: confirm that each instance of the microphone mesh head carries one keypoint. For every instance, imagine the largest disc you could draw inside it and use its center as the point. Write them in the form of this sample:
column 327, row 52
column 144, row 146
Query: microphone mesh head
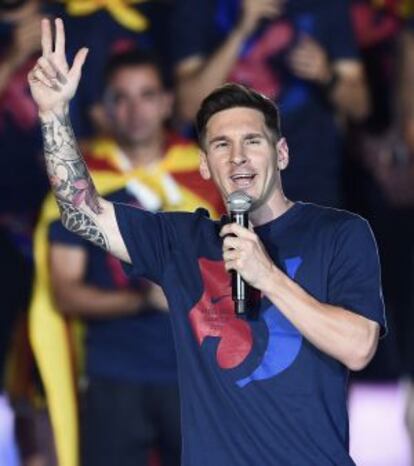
column 239, row 201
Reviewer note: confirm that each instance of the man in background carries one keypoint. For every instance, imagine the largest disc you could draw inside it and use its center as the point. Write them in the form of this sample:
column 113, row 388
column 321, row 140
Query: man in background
column 131, row 401
column 20, row 141
column 23, row 185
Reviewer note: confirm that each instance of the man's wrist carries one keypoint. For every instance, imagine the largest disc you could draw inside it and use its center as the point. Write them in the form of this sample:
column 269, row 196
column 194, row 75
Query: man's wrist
column 51, row 114
column 273, row 279
column 240, row 33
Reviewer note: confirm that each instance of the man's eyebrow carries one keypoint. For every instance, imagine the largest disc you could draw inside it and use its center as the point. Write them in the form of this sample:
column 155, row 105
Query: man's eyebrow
column 217, row 138
column 253, row 135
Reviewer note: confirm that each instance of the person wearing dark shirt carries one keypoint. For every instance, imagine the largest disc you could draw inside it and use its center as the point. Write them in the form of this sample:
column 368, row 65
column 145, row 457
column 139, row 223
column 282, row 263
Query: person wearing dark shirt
column 130, row 356
column 23, row 181
column 300, row 53
column 380, row 170
column 131, row 404
column 107, row 30
column 269, row 390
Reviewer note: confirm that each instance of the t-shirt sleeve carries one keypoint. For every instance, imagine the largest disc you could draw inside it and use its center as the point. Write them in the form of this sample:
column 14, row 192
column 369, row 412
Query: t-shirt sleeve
column 354, row 281
column 149, row 238
column 59, row 234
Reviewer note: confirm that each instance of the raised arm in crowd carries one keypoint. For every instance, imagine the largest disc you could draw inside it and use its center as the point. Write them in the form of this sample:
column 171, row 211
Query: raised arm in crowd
column 53, row 83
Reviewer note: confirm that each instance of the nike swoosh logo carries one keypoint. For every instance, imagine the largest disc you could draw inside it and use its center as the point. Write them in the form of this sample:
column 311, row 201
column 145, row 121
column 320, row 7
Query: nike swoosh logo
column 217, row 299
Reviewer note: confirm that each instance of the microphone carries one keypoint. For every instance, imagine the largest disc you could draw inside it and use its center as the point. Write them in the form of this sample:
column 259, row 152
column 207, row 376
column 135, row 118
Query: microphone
column 239, row 204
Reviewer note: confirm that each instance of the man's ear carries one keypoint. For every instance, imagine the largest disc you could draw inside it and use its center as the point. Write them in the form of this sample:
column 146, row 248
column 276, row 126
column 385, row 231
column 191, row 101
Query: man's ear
column 282, row 151
column 204, row 169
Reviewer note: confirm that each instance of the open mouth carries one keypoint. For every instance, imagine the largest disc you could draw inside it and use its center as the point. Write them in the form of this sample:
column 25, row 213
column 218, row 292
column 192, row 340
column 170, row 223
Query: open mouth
column 243, row 180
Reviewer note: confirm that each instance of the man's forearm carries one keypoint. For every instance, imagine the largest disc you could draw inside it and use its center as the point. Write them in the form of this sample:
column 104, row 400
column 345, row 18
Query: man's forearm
column 71, row 182
column 8, row 67
column 342, row 334
column 210, row 73
column 197, row 77
column 86, row 301
column 350, row 96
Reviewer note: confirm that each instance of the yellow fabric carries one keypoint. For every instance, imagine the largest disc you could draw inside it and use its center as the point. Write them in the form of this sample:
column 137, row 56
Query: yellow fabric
column 48, row 337
column 179, row 158
column 47, row 328
column 407, row 8
column 403, row 8
column 121, row 10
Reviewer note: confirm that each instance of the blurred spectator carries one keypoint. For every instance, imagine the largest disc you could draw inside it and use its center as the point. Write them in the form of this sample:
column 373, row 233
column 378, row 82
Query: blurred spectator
column 380, row 171
column 23, row 181
column 107, row 28
column 131, row 401
column 22, row 178
column 301, row 53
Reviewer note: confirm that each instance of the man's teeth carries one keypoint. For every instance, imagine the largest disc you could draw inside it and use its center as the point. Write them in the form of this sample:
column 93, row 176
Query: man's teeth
column 244, row 176
column 243, row 180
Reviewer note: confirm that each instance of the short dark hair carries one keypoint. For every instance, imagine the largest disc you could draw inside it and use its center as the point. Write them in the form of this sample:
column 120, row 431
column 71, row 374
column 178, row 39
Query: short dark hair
column 131, row 58
column 233, row 95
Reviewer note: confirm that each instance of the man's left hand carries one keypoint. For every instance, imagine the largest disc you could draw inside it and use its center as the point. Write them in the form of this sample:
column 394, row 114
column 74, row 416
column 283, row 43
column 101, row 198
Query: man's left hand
column 244, row 252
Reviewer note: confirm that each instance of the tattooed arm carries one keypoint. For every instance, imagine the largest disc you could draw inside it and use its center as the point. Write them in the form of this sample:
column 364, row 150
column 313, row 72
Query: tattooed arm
column 82, row 210
column 53, row 84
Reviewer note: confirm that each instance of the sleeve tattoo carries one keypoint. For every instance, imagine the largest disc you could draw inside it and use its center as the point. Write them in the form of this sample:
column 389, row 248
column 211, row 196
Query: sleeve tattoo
column 71, row 182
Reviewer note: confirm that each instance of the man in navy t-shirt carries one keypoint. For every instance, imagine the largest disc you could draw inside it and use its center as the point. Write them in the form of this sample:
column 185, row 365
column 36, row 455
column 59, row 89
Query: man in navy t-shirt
column 264, row 391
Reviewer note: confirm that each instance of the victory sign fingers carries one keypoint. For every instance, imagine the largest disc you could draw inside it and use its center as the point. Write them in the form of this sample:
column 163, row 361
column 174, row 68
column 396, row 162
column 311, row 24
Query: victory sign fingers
column 51, row 72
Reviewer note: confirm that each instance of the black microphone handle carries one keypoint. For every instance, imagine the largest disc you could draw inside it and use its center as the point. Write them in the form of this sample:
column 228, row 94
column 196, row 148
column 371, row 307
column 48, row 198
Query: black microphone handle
column 239, row 288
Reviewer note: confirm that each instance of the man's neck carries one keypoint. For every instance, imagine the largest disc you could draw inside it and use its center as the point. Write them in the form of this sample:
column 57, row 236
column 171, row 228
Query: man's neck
column 141, row 155
column 270, row 210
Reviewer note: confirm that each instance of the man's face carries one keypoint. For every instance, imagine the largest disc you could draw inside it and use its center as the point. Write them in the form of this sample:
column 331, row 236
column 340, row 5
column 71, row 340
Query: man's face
column 137, row 105
column 241, row 154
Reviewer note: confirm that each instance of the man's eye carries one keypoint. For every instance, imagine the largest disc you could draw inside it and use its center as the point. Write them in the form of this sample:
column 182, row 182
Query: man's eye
column 221, row 145
column 118, row 99
column 253, row 141
column 149, row 95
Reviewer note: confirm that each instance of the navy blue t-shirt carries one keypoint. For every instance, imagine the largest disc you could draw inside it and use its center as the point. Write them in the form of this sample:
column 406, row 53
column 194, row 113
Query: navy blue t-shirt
column 137, row 347
column 308, row 119
column 255, row 392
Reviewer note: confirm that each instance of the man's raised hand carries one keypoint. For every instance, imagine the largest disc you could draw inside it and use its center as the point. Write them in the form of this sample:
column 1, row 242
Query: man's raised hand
column 253, row 11
column 52, row 82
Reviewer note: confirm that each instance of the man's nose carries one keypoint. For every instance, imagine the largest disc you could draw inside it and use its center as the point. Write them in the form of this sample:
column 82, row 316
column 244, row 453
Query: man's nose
column 238, row 155
column 135, row 106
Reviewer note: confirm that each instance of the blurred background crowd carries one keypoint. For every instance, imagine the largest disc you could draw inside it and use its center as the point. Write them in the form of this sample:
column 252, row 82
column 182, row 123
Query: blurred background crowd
column 87, row 365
